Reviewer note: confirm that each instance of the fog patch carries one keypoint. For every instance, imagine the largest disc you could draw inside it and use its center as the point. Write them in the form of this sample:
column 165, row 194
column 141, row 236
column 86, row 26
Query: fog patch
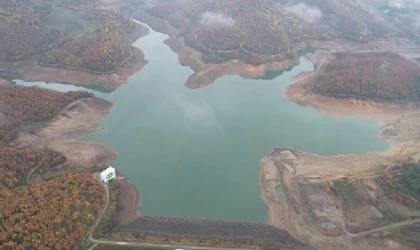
column 399, row 4
column 309, row 13
column 213, row 19
column 402, row 4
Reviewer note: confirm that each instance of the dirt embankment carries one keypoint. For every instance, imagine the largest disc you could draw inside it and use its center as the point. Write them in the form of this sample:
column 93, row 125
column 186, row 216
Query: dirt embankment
column 129, row 199
column 298, row 187
column 31, row 71
column 77, row 119
column 217, row 233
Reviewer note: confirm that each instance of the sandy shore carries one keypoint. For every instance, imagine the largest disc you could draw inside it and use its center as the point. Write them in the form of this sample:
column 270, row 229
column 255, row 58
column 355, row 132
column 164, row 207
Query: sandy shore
column 31, row 71
column 399, row 124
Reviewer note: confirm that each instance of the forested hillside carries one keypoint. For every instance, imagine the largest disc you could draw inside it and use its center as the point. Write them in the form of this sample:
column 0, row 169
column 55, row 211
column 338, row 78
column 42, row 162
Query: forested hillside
column 347, row 19
column 263, row 31
column 253, row 31
column 57, row 210
column 20, row 105
column 55, row 214
column 76, row 34
column 370, row 75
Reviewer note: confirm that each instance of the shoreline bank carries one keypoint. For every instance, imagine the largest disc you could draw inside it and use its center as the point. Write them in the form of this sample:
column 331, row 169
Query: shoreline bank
column 293, row 171
column 206, row 74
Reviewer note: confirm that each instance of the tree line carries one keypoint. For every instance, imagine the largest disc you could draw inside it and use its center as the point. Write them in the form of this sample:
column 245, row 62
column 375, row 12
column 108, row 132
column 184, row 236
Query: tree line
column 20, row 105
column 57, row 210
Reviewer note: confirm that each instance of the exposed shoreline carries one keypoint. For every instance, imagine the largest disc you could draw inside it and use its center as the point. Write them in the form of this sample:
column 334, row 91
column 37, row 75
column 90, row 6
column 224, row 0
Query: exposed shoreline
column 399, row 125
column 62, row 134
column 78, row 119
column 206, row 74
column 31, row 71
column 83, row 116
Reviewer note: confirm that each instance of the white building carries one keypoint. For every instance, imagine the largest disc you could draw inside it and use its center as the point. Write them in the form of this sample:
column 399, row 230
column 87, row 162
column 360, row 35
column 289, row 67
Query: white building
column 108, row 174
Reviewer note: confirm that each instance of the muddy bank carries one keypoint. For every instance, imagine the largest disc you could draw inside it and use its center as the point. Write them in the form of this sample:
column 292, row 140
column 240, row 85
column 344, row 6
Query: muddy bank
column 31, row 71
column 206, row 74
column 128, row 201
column 77, row 119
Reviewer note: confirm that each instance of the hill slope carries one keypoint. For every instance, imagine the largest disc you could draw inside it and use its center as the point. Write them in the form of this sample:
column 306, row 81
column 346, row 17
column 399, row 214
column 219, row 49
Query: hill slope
column 258, row 32
column 255, row 32
column 370, row 75
column 76, row 34
column 345, row 18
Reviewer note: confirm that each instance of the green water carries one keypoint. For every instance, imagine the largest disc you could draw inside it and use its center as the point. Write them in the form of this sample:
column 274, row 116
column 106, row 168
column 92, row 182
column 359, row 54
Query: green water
column 196, row 153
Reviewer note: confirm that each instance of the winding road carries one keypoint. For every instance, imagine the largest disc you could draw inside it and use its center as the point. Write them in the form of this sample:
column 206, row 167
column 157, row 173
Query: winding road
column 29, row 175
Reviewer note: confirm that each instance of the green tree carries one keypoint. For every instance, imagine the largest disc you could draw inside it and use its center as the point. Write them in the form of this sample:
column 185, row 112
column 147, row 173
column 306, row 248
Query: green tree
column 411, row 179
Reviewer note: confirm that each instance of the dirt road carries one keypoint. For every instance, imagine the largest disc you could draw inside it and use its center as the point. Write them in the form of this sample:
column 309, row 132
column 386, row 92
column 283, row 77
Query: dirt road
column 139, row 244
column 385, row 228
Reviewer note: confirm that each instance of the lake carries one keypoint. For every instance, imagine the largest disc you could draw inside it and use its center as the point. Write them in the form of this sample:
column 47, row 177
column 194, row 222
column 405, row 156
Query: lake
column 196, row 153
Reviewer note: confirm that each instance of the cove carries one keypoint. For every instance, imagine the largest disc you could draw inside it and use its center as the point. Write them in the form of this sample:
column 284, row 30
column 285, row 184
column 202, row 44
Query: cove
column 196, row 153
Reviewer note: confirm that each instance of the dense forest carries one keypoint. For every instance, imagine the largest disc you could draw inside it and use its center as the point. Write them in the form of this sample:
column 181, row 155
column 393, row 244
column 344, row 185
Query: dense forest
column 16, row 163
column 20, row 105
column 101, row 53
column 268, row 30
column 253, row 31
column 55, row 214
column 21, row 31
column 346, row 18
column 56, row 211
column 91, row 40
column 370, row 75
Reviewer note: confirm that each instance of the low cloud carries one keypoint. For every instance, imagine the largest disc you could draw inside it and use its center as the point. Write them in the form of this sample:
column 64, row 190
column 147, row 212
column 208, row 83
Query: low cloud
column 309, row 13
column 214, row 19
